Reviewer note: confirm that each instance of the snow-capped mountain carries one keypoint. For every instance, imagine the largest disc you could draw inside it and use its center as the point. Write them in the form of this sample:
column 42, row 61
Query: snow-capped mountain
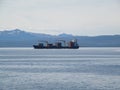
column 20, row 38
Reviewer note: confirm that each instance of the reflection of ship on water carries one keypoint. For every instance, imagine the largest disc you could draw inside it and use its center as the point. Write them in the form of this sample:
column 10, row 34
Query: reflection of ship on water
column 60, row 44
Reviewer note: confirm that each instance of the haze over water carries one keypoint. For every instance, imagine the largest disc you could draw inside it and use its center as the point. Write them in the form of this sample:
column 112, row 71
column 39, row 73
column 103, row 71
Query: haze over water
column 62, row 69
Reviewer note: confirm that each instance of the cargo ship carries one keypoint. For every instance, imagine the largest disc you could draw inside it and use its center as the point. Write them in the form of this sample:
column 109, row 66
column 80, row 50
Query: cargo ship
column 60, row 44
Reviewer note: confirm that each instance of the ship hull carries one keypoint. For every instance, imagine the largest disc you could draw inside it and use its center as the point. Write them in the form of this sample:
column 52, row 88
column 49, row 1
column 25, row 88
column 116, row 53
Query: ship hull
column 63, row 47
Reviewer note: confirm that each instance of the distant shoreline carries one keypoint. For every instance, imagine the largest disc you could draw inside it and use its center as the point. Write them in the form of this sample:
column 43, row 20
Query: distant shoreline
column 19, row 38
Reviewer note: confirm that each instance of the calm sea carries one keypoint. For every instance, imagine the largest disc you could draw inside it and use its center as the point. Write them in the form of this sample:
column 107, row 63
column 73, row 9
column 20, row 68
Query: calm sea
column 63, row 69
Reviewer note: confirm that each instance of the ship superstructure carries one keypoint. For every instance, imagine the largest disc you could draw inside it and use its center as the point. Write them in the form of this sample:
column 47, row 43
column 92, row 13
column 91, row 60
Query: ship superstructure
column 59, row 44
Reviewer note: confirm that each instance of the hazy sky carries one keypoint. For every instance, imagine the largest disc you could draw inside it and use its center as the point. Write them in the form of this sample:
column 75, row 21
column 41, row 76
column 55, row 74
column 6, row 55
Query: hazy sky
column 78, row 17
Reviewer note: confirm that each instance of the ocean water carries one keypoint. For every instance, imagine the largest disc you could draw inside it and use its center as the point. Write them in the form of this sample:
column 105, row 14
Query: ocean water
column 62, row 69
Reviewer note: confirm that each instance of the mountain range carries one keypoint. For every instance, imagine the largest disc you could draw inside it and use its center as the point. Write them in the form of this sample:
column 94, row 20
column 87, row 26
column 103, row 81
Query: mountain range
column 20, row 38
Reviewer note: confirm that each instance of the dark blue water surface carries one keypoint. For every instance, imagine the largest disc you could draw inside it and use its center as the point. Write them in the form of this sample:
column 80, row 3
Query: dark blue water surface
column 62, row 69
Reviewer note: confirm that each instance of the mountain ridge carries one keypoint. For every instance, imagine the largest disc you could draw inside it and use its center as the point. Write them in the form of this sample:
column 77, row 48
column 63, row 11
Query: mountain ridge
column 21, row 38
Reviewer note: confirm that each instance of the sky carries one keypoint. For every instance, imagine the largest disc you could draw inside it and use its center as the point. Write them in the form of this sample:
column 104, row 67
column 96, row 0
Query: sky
column 77, row 17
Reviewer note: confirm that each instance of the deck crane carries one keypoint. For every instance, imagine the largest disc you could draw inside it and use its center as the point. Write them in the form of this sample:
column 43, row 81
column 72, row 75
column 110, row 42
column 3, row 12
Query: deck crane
column 63, row 42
